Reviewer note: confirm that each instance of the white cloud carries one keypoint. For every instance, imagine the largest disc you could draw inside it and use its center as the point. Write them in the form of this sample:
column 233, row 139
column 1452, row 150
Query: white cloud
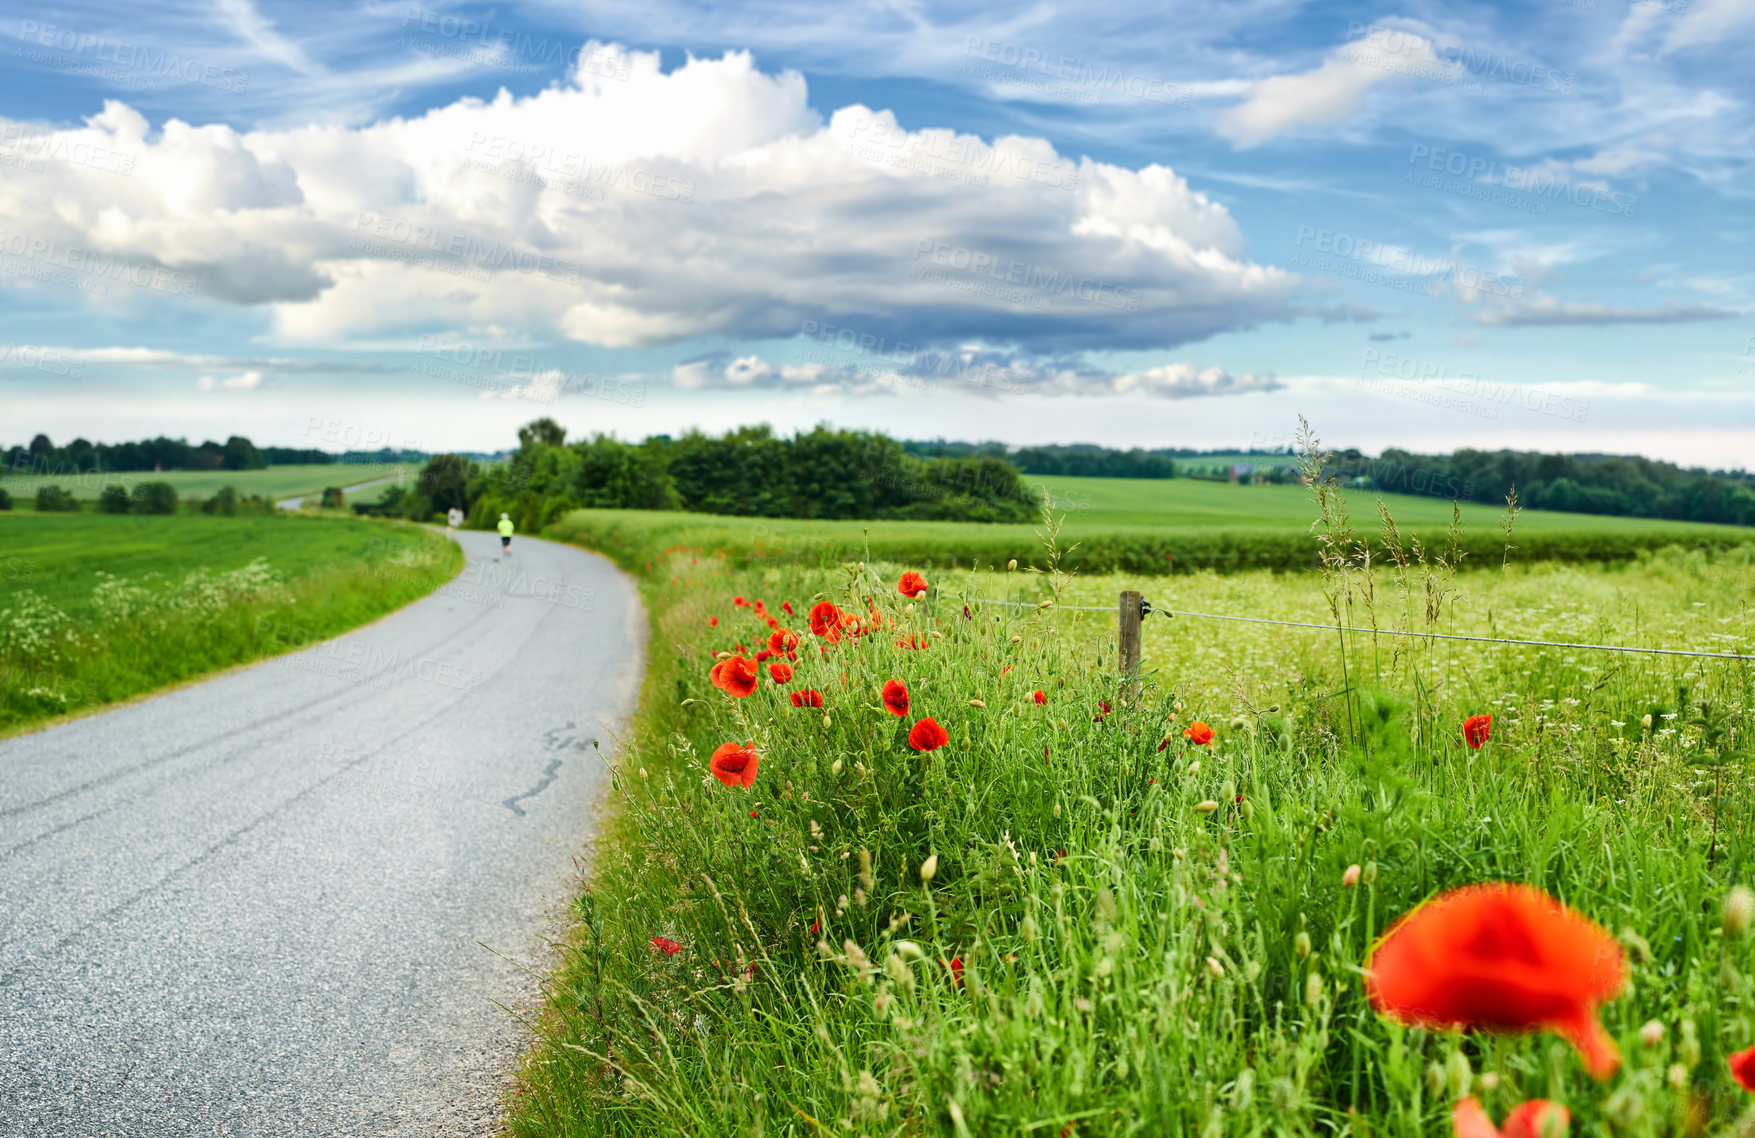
column 244, row 381
column 1543, row 310
column 1336, row 89
column 650, row 208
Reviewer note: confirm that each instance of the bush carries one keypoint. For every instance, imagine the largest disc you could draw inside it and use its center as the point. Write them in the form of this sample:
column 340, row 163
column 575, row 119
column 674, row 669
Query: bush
column 390, row 504
column 224, row 502
column 113, row 500
column 5, row 499
column 54, row 500
column 332, row 499
column 154, row 498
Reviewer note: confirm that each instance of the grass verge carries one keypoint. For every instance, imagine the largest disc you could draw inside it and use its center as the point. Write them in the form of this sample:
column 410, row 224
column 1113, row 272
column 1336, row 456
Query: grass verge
column 1074, row 920
column 100, row 608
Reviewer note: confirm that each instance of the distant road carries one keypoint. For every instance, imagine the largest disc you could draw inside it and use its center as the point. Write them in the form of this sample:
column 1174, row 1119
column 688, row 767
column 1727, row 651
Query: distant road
column 252, row 906
column 294, row 503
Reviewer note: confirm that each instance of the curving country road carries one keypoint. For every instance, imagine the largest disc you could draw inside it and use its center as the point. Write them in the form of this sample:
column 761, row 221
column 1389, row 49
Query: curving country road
column 258, row 905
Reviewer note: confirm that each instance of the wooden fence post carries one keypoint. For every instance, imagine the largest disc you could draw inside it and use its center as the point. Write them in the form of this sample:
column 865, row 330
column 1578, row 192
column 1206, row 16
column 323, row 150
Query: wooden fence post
column 1130, row 641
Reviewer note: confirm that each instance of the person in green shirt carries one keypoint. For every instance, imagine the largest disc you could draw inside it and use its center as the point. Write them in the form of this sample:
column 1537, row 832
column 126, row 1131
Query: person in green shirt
column 506, row 528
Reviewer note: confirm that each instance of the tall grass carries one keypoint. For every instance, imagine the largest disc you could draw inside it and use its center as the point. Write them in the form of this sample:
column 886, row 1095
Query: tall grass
column 1150, row 937
column 97, row 609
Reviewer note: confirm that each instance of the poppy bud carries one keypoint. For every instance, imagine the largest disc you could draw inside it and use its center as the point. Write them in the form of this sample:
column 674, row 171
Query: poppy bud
column 929, row 869
column 1368, row 875
column 643, row 773
column 1012, row 565
column 1739, row 910
column 1351, row 877
column 1017, row 640
column 835, row 767
column 1313, row 988
column 1194, row 767
column 1217, row 969
column 1490, row 1081
column 1678, row 1074
column 826, row 720
column 1057, row 809
column 1652, row 1033
column 977, row 703
column 1689, row 1051
column 1207, row 807
column 1228, row 790
column 1460, row 1074
column 1645, row 721
column 1301, row 944
column 1435, row 1078
column 1239, row 723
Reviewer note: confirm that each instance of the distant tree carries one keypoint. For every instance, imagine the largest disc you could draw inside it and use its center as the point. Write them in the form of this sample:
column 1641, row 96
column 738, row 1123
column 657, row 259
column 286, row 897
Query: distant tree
column 113, row 499
column 41, row 447
column 541, row 432
column 241, row 454
column 154, row 498
column 444, row 482
column 5, row 499
column 223, row 503
column 332, row 498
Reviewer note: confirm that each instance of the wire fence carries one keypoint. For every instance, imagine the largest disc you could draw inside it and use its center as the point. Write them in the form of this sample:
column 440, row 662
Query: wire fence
column 1150, row 608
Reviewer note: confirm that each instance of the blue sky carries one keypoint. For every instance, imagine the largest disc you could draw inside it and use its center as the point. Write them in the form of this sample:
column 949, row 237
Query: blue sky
column 1425, row 225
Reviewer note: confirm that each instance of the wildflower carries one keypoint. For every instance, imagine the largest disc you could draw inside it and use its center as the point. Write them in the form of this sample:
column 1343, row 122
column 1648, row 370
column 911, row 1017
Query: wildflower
column 1743, row 1068
column 816, row 926
column 913, row 642
column 955, row 966
column 781, row 642
column 735, row 677
column 787, row 606
column 1198, row 733
column 810, row 697
column 1351, row 877
column 740, row 602
column 781, row 671
column 665, row 945
column 929, row 868
column 912, row 584
column 896, row 698
column 1504, row 957
column 1102, row 711
column 927, row 735
column 1537, row 1118
column 734, row 765
column 712, row 622
column 1476, row 729
column 824, row 617
column 1039, row 696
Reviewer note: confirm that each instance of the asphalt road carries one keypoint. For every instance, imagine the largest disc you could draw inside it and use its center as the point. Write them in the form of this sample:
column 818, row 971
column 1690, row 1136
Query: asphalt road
column 258, row 905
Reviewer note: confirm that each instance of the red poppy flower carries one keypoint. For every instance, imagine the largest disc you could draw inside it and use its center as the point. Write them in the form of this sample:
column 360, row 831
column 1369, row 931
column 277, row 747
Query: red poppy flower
column 955, row 964
column 781, row 671
column 786, row 606
column 781, row 641
column 1537, row 1118
column 1476, row 729
column 824, row 616
column 735, row 676
column 739, row 602
column 1504, row 957
column 1743, row 1068
column 734, row 765
column 1039, row 696
column 912, row 585
column 927, row 735
column 1198, row 733
column 816, row 926
column 1102, row 710
column 966, row 614
column 810, row 697
column 763, row 655
column 896, row 698
column 914, row 642
column 712, row 622
column 772, row 623
column 665, row 945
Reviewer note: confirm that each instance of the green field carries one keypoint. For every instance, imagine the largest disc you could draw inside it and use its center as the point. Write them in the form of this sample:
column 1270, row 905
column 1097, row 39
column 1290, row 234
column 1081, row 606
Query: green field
column 96, row 608
column 276, row 482
column 1143, row 526
column 1073, row 920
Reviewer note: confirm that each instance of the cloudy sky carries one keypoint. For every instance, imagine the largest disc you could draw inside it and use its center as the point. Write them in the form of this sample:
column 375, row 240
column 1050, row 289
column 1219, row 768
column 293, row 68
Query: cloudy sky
column 1418, row 224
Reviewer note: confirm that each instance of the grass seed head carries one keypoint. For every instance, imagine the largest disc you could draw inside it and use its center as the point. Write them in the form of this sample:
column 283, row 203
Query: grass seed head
column 1739, row 910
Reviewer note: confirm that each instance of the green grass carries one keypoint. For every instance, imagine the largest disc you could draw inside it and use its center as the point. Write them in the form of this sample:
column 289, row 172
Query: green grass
column 1143, row 526
column 99, row 608
column 275, row 482
column 1128, row 915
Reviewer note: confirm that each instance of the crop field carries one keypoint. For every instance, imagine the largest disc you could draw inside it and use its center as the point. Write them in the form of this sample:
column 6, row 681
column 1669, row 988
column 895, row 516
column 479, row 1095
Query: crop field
column 96, row 608
column 273, row 483
column 1088, row 905
column 1140, row 526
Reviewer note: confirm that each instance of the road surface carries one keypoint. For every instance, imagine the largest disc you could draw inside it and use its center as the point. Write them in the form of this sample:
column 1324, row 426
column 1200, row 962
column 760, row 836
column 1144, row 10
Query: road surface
column 346, row 491
column 253, row 906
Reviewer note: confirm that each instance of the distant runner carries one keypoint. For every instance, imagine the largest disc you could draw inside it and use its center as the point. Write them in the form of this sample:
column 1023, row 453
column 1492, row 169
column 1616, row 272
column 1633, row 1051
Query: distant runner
column 453, row 519
column 506, row 528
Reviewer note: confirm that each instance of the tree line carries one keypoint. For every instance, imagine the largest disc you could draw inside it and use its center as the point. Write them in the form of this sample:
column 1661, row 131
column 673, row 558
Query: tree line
column 749, row 471
column 81, row 456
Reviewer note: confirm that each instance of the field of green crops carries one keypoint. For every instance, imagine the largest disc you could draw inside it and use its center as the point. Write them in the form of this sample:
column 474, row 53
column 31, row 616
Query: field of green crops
column 274, row 483
column 96, row 608
column 1076, row 919
column 1140, row 526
